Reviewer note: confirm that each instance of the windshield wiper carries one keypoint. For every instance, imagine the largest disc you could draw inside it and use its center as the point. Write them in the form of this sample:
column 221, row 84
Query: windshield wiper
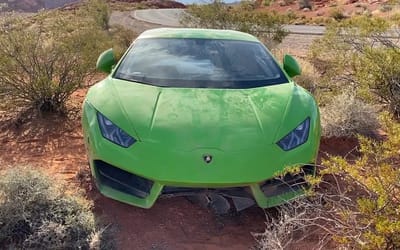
column 139, row 78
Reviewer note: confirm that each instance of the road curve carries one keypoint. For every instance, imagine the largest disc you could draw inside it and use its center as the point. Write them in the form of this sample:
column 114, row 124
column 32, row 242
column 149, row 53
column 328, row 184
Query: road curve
column 165, row 17
column 171, row 17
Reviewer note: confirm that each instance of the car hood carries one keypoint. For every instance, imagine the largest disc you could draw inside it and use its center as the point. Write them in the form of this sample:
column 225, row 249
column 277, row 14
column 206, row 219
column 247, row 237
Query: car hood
column 190, row 119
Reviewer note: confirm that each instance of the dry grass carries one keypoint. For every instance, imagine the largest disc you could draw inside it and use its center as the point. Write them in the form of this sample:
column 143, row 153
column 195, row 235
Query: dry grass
column 346, row 116
column 309, row 78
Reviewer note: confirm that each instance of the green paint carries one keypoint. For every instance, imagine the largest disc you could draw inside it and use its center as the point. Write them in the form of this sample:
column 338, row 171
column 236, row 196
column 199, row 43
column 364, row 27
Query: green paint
column 175, row 127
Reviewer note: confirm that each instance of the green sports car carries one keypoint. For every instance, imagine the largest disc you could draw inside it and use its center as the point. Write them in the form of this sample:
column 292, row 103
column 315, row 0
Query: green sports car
column 206, row 112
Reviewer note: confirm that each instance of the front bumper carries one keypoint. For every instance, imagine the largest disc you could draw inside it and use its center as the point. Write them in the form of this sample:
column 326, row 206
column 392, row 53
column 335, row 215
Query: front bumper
column 138, row 191
column 142, row 173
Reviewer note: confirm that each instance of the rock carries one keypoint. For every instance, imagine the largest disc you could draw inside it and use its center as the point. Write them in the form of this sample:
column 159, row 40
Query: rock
column 367, row 13
column 306, row 9
column 375, row 12
column 303, row 4
column 358, row 12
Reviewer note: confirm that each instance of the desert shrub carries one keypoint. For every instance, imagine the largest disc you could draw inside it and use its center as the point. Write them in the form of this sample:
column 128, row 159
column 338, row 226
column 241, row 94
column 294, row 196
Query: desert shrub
column 37, row 212
column 355, row 203
column 337, row 14
column 280, row 227
column 267, row 26
column 297, row 221
column 99, row 12
column 303, row 4
column 386, row 8
column 122, row 38
column 309, row 78
column 346, row 116
column 369, row 216
column 43, row 63
column 359, row 53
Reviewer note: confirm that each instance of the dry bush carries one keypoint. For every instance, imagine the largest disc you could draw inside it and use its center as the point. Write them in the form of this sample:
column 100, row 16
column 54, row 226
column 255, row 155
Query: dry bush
column 309, row 78
column 280, row 229
column 37, row 212
column 305, row 4
column 122, row 38
column 346, row 116
column 337, row 14
column 305, row 219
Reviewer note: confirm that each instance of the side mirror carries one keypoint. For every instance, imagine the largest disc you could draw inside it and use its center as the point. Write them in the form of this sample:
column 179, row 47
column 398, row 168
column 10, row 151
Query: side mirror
column 106, row 61
column 291, row 66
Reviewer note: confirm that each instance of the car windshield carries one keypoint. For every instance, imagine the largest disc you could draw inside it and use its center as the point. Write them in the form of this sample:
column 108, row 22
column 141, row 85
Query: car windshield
column 199, row 63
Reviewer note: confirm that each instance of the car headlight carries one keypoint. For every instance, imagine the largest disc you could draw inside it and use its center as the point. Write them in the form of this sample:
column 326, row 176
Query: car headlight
column 113, row 133
column 297, row 137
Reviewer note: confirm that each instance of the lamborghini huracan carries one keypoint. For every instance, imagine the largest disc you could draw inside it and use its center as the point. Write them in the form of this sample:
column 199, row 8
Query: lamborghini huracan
column 186, row 112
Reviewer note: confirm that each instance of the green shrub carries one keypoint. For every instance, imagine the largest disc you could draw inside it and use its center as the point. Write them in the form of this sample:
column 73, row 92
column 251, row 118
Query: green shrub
column 37, row 212
column 267, row 26
column 359, row 54
column 355, row 202
column 368, row 215
column 99, row 12
column 42, row 63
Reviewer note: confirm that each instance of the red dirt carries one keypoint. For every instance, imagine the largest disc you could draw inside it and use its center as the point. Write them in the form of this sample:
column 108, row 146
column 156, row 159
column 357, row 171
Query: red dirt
column 347, row 147
column 55, row 144
column 326, row 8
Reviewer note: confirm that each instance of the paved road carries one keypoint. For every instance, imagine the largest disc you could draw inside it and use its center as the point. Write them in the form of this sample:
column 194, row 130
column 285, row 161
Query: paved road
column 170, row 17
column 165, row 17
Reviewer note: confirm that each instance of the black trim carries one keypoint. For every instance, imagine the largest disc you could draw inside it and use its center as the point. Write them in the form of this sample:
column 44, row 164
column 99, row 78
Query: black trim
column 288, row 182
column 122, row 181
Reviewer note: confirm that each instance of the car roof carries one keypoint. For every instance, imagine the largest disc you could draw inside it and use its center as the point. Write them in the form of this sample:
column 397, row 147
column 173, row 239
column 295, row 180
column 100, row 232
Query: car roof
column 197, row 33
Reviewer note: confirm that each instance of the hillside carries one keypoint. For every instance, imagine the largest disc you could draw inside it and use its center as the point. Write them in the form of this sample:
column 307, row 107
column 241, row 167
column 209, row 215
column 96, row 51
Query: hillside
column 33, row 5
column 315, row 11
column 36, row 5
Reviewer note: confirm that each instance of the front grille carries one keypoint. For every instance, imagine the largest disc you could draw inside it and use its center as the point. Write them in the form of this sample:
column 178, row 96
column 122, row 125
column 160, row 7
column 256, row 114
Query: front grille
column 123, row 181
column 230, row 192
column 221, row 200
column 288, row 183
